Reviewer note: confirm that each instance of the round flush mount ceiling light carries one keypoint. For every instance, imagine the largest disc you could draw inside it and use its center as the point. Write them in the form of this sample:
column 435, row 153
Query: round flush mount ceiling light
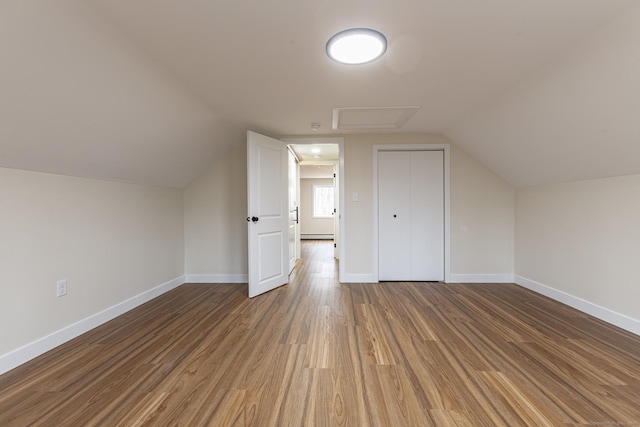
column 356, row 46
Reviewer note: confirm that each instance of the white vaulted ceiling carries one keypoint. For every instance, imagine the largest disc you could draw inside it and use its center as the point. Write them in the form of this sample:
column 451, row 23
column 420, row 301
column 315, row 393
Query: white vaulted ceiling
column 153, row 91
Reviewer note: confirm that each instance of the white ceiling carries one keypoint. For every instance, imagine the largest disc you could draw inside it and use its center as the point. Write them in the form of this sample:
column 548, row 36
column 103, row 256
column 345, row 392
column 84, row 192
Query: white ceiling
column 152, row 91
column 310, row 153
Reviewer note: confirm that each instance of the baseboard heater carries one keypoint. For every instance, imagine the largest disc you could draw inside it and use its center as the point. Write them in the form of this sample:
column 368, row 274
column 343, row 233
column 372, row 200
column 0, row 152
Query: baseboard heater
column 316, row 236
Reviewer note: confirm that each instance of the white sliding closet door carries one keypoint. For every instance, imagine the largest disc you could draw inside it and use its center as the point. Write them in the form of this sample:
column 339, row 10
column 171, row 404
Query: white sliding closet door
column 427, row 215
column 394, row 215
column 411, row 215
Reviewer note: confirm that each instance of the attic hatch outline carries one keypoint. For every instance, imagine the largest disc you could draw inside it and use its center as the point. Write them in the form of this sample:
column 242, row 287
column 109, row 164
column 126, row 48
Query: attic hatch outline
column 359, row 118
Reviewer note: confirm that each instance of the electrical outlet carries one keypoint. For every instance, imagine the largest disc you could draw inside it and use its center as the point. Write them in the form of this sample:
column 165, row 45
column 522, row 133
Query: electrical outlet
column 61, row 288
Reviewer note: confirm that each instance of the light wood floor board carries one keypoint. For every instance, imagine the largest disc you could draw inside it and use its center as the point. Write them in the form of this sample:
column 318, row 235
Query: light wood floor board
column 320, row 353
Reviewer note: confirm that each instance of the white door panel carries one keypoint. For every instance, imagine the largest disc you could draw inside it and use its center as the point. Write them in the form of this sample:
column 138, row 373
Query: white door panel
column 394, row 211
column 267, row 186
column 427, row 215
column 270, row 256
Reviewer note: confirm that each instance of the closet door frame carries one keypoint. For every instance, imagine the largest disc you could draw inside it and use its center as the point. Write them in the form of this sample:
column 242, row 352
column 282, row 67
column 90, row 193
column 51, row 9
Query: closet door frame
column 445, row 148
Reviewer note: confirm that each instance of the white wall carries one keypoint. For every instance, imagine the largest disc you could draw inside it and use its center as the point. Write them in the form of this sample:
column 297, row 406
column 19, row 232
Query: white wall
column 309, row 224
column 112, row 241
column 580, row 242
column 482, row 221
column 215, row 211
column 482, row 211
column 482, row 215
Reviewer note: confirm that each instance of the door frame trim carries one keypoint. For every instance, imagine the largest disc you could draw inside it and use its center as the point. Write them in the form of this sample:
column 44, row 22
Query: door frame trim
column 445, row 148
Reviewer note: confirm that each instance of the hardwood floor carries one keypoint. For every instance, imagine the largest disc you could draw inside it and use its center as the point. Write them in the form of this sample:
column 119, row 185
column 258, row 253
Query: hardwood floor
column 320, row 353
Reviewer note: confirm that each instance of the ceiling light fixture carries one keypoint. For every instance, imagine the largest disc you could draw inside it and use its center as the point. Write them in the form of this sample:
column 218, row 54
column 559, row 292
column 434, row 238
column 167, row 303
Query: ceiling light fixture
column 356, row 46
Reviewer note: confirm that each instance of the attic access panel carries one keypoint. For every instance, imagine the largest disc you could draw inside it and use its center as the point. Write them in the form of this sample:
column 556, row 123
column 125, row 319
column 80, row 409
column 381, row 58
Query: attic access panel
column 360, row 118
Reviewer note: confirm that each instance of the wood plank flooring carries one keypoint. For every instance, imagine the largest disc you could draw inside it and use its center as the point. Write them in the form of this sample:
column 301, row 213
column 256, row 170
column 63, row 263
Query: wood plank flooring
column 320, row 353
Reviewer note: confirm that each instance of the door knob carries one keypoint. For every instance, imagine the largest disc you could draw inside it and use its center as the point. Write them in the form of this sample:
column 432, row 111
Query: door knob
column 395, row 216
column 254, row 218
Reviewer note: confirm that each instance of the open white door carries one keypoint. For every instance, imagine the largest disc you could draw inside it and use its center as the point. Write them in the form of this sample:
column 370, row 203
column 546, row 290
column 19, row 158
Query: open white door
column 267, row 189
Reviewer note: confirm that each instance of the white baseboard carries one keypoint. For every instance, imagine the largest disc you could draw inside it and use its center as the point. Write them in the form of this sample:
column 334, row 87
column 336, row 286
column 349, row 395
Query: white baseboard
column 622, row 321
column 216, row 278
column 40, row 346
column 454, row 278
column 357, row 278
column 481, row 278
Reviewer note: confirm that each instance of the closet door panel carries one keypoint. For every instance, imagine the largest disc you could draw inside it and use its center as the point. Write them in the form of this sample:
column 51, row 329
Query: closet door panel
column 427, row 215
column 394, row 215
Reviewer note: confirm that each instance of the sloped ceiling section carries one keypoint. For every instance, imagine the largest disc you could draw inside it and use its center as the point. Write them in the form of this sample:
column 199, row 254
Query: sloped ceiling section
column 151, row 91
column 79, row 99
column 577, row 118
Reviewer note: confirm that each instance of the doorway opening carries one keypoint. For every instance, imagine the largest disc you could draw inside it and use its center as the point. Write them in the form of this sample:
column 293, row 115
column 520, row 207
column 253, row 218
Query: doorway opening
column 314, row 197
